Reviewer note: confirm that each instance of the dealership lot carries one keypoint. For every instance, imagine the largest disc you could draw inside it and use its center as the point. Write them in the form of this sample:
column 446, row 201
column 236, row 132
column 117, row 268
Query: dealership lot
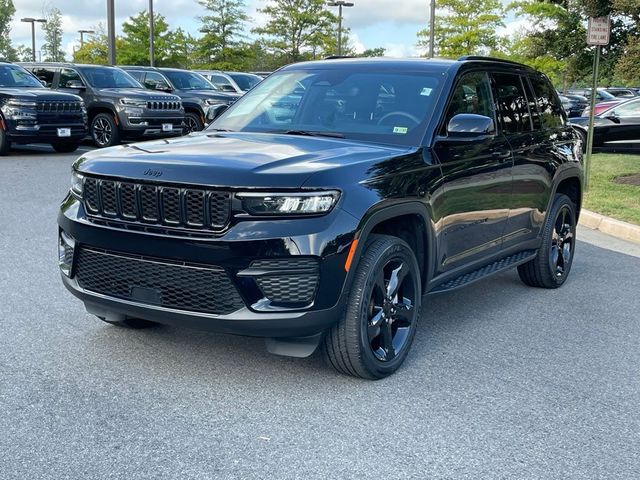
column 503, row 381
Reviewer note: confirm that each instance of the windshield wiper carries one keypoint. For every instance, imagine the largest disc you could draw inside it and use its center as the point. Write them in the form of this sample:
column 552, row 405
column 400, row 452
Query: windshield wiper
column 310, row 133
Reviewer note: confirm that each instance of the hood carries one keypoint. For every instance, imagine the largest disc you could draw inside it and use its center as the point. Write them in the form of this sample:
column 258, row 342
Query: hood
column 38, row 94
column 233, row 159
column 141, row 93
column 205, row 94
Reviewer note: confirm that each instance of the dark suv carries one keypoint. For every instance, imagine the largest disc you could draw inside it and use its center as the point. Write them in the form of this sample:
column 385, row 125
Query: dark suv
column 29, row 113
column 118, row 106
column 326, row 218
column 201, row 99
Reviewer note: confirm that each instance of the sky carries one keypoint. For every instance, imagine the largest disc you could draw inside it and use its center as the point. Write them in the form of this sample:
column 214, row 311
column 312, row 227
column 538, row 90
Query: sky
column 392, row 24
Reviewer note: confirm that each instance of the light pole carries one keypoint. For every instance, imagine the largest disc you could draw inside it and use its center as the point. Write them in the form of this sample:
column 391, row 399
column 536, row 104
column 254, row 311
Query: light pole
column 33, row 21
column 111, row 31
column 340, row 4
column 82, row 32
column 432, row 28
column 151, row 52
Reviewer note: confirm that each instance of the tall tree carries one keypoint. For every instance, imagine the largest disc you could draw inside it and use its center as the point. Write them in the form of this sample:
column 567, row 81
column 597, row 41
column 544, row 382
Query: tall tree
column 223, row 28
column 295, row 27
column 374, row 52
column 52, row 49
column 628, row 66
column 7, row 11
column 465, row 27
column 95, row 48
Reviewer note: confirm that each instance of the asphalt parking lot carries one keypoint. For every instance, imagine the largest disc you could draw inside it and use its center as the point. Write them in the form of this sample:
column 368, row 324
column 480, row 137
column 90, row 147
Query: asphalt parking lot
column 504, row 381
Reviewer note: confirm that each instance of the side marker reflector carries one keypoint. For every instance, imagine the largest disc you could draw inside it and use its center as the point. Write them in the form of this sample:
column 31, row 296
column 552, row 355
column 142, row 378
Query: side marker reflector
column 352, row 251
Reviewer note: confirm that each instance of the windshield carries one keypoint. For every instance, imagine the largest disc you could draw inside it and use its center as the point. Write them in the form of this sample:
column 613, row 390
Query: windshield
column 245, row 81
column 12, row 76
column 381, row 107
column 105, row 77
column 188, row 80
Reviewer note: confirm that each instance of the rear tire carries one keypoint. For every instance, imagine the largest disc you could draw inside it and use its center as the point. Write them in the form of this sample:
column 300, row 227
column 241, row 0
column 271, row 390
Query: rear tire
column 373, row 337
column 104, row 130
column 552, row 265
column 65, row 147
column 129, row 322
column 5, row 144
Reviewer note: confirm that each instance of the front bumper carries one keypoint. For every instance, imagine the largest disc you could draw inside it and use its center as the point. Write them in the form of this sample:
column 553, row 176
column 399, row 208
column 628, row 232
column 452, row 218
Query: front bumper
column 145, row 123
column 325, row 239
column 45, row 133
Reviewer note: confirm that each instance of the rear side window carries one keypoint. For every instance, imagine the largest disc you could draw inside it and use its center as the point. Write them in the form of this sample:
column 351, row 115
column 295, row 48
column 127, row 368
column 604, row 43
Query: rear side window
column 512, row 103
column 548, row 104
column 471, row 95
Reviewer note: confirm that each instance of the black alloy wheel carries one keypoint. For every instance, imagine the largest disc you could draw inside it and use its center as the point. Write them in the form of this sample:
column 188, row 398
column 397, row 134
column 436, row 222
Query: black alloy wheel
column 552, row 265
column 104, row 131
column 192, row 123
column 374, row 335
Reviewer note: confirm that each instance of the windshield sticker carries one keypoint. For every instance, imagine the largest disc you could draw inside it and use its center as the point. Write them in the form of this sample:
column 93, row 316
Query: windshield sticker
column 402, row 130
column 426, row 91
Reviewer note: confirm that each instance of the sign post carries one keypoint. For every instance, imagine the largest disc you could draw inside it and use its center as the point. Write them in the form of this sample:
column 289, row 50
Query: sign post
column 598, row 35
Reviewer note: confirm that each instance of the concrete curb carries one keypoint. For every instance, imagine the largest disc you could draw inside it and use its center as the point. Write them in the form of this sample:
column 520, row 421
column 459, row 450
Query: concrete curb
column 610, row 226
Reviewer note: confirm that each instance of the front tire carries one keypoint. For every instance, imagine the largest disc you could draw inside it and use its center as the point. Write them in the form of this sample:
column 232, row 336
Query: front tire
column 104, row 131
column 192, row 122
column 552, row 265
column 65, row 147
column 373, row 337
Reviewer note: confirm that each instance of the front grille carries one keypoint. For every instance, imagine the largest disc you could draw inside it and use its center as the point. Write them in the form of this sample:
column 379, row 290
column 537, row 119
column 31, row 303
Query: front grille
column 163, row 105
column 290, row 280
column 196, row 288
column 59, row 107
column 171, row 206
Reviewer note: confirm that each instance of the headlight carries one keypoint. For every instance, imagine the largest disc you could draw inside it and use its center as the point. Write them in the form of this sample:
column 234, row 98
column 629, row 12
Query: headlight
column 76, row 184
column 303, row 203
column 132, row 102
column 20, row 110
column 21, row 104
column 213, row 101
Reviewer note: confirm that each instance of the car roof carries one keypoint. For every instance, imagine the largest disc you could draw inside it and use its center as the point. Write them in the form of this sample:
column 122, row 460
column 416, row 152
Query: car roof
column 68, row 64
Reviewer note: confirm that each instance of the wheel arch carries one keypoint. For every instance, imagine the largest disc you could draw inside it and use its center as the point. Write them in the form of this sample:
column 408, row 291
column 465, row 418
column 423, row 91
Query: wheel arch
column 570, row 183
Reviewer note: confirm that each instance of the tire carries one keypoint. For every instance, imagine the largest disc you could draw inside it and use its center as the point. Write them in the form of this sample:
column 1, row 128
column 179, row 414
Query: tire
column 552, row 265
column 192, row 122
column 129, row 322
column 5, row 144
column 104, row 131
column 65, row 147
column 373, row 337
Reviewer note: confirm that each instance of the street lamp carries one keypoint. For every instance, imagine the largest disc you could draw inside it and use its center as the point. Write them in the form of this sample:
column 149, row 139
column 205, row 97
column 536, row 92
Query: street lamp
column 33, row 21
column 340, row 4
column 432, row 28
column 111, row 31
column 151, row 52
column 82, row 32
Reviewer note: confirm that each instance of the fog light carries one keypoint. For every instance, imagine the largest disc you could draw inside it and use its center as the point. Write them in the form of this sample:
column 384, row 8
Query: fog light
column 66, row 247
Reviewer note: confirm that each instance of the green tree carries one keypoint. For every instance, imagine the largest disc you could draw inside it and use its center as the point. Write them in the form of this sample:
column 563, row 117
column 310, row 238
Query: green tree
column 7, row 11
column 95, row 49
column 627, row 68
column 23, row 53
column 296, row 27
column 52, row 49
column 223, row 28
column 374, row 52
column 465, row 27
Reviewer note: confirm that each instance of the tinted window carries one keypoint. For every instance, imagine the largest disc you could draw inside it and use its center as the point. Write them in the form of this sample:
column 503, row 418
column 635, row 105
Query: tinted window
column 245, row 81
column 68, row 75
column 384, row 107
column 629, row 109
column 137, row 74
column 14, row 76
column 188, row 80
column 472, row 94
column 106, row 77
column 45, row 74
column 548, row 103
column 154, row 80
column 531, row 101
column 512, row 103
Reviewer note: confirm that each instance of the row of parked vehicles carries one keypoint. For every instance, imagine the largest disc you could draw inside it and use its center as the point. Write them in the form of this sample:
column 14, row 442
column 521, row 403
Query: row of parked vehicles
column 62, row 103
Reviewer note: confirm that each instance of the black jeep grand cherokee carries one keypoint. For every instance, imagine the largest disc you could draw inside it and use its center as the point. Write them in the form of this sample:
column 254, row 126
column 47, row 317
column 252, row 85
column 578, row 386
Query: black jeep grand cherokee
column 323, row 205
column 29, row 113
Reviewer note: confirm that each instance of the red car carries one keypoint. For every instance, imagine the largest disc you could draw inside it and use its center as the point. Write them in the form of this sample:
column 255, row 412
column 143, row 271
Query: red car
column 601, row 107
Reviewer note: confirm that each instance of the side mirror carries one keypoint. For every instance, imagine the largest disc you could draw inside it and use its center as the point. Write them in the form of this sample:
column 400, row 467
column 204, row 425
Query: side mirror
column 613, row 117
column 228, row 88
column 163, row 87
column 75, row 84
column 43, row 82
column 470, row 125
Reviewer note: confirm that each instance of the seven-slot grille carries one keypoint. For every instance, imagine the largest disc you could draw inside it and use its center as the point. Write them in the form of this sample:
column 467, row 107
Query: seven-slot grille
column 172, row 206
column 163, row 105
column 59, row 107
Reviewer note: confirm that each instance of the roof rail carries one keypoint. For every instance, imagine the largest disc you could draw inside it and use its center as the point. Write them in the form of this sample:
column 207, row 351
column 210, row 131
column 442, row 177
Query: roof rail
column 492, row 59
column 334, row 57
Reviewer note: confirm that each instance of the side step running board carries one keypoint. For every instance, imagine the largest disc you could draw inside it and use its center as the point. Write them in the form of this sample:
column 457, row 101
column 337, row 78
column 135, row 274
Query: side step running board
column 486, row 271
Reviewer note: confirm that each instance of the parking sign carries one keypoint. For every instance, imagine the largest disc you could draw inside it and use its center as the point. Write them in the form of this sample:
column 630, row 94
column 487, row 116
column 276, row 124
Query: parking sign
column 598, row 31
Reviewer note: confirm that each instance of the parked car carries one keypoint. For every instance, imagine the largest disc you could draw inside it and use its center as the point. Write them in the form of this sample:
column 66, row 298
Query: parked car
column 620, row 122
column 236, row 82
column 390, row 180
column 622, row 93
column 574, row 105
column 601, row 107
column 118, row 106
column 200, row 98
column 601, row 94
column 29, row 113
